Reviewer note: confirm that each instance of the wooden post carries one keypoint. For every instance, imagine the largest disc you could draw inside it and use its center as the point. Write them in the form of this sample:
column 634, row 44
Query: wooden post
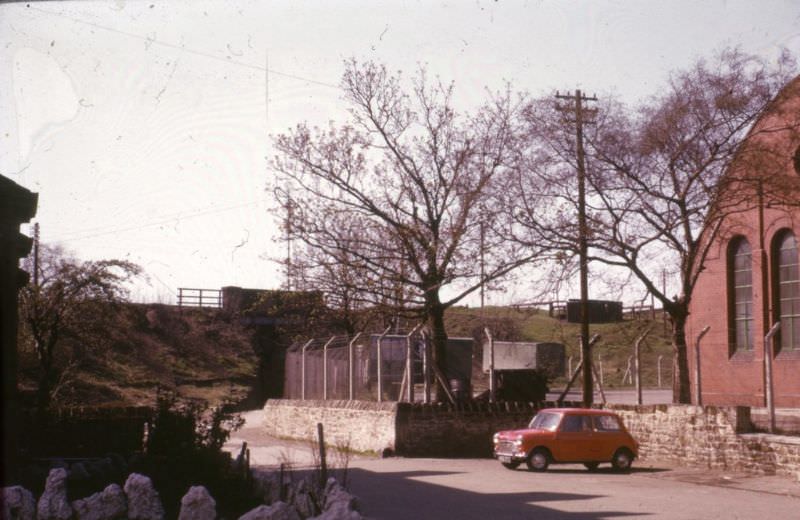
column 323, row 464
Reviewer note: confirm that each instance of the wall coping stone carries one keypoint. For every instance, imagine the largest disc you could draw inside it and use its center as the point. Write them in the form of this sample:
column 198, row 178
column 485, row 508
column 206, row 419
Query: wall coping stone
column 772, row 438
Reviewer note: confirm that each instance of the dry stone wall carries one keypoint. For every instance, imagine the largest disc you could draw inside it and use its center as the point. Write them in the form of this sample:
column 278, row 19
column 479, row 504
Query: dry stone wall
column 713, row 437
column 359, row 425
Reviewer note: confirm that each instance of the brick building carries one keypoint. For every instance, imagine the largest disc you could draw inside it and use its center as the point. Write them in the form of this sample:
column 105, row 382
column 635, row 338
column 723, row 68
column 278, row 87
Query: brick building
column 750, row 278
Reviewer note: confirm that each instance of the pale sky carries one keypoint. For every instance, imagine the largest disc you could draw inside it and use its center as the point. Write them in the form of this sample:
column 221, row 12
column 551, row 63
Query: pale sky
column 143, row 125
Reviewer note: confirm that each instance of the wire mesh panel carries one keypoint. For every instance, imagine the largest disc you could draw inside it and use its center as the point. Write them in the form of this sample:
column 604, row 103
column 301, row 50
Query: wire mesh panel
column 328, row 368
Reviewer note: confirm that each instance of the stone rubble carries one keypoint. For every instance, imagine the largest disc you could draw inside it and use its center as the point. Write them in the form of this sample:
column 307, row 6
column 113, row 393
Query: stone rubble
column 143, row 500
column 109, row 504
column 139, row 500
column 18, row 504
column 53, row 504
column 197, row 504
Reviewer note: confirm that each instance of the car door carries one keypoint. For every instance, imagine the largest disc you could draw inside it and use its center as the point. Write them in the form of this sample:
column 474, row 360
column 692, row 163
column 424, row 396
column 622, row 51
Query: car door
column 608, row 436
column 574, row 438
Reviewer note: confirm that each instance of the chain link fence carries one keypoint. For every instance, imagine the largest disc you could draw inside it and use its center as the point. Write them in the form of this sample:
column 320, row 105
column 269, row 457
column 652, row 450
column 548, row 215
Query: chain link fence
column 368, row 367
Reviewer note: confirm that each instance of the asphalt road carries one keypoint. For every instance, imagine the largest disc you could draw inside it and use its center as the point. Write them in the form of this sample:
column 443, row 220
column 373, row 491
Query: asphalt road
column 416, row 488
column 482, row 489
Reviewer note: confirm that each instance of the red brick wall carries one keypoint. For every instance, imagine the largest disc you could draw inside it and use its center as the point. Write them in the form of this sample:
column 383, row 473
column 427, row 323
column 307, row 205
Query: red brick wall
column 739, row 379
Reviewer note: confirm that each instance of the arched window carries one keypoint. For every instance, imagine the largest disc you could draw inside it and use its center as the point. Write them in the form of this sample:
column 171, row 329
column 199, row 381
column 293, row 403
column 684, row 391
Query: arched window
column 786, row 290
column 740, row 295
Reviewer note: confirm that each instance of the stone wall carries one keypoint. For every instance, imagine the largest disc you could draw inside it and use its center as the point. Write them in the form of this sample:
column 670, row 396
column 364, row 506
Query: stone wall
column 417, row 430
column 361, row 425
column 463, row 430
column 713, row 437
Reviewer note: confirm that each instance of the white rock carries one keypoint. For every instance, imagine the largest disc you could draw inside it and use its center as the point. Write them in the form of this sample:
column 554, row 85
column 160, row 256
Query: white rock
column 109, row 504
column 276, row 511
column 53, row 504
column 197, row 504
column 143, row 500
column 18, row 503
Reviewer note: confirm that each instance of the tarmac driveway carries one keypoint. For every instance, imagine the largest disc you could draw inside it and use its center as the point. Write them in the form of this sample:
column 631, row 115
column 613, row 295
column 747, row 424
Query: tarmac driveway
column 417, row 488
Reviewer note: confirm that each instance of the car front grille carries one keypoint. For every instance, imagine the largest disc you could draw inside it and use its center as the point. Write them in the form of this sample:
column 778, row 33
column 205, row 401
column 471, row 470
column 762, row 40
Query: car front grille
column 505, row 447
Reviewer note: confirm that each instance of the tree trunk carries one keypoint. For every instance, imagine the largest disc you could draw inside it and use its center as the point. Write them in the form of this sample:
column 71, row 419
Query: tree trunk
column 435, row 312
column 678, row 313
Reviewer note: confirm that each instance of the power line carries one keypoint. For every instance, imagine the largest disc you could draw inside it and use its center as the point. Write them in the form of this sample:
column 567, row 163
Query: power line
column 182, row 48
column 169, row 220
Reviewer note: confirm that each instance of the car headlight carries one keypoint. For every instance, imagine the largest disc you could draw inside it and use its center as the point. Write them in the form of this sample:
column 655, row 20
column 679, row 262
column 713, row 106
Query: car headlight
column 496, row 438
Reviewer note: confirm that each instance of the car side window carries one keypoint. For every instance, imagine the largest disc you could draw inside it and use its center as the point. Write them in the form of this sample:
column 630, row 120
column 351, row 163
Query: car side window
column 576, row 423
column 606, row 423
column 571, row 423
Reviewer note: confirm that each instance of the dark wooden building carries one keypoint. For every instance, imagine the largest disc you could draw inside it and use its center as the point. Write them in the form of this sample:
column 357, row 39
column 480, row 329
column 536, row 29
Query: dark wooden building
column 17, row 206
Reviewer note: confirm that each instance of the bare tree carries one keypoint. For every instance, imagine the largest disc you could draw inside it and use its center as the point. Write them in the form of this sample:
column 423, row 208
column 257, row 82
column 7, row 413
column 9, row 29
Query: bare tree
column 394, row 195
column 71, row 302
column 660, row 177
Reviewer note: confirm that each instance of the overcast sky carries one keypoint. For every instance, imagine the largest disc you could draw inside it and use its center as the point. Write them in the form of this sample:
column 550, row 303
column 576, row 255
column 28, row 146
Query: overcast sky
column 144, row 125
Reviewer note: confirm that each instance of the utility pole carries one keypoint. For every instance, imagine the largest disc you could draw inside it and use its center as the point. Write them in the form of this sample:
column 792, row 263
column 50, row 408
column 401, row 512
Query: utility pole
column 576, row 101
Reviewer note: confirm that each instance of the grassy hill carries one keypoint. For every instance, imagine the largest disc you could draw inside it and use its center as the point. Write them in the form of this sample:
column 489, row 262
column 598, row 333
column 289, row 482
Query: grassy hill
column 198, row 353
column 614, row 347
column 202, row 354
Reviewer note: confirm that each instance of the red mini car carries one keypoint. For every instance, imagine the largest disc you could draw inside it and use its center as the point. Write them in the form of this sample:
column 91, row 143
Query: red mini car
column 568, row 435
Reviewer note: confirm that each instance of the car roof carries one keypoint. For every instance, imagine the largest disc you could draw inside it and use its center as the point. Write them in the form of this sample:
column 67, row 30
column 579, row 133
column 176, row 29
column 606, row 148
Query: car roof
column 589, row 411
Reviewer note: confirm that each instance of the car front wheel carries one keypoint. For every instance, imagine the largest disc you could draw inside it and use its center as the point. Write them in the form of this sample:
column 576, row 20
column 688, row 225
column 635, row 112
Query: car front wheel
column 622, row 460
column 538, row 460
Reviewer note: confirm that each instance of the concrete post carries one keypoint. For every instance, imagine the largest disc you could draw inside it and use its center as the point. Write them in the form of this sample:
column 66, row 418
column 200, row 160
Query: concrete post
column 380, row 363
column 697, row 386
column 351, row 369
column 768, row 355
column 303, row 369
column 325, row 368
column 492, row 380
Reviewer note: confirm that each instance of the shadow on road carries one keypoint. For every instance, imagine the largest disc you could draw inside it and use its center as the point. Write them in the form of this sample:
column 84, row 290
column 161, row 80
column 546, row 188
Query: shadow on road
column 403, row 495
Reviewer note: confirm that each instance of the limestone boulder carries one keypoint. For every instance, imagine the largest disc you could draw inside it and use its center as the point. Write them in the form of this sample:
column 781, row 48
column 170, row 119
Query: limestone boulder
column 197, row 504
column 143, row 500
column 18, row 503
column 109, row 504
column 53, row 504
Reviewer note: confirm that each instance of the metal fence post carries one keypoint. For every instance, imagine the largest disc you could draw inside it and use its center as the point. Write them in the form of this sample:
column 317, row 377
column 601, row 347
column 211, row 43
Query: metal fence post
column 697, row 385
column 303, row 370
column 659, row 370
column 380, row 363
column 325, row 368
column 351, row 369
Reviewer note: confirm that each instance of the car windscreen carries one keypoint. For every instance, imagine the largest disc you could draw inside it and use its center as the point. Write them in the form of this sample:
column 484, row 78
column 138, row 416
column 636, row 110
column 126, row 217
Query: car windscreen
column 545, row 421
